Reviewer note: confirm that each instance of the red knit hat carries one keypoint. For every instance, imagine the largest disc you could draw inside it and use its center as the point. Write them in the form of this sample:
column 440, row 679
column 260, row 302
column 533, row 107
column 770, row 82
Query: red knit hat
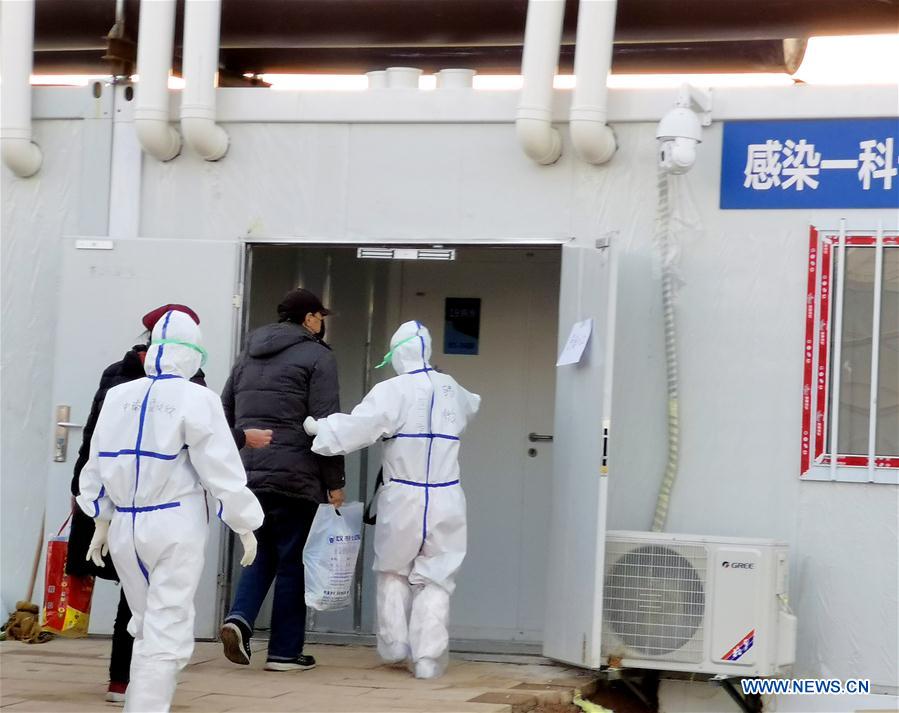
column 151, row 318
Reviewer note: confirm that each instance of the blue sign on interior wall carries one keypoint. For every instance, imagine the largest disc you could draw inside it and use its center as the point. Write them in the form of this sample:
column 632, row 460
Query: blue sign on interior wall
column 462, row 327
column 820, row 163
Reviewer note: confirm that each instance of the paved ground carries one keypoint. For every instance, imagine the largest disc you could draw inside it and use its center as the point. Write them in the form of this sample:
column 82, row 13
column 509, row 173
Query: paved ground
column 70, row 675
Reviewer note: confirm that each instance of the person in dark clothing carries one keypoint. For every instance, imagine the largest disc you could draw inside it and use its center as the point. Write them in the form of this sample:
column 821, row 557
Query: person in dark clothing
column 131, row 367
column 286, row 374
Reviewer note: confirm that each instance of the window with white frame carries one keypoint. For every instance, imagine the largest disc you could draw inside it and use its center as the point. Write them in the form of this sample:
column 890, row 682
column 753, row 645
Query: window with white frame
column 850, row 408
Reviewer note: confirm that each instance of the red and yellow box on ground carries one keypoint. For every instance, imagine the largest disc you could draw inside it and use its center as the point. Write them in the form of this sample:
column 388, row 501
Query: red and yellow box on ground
column 67, row 599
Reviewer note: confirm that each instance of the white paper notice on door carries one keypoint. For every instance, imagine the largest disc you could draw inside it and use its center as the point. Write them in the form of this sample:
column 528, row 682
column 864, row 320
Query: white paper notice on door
column 577, row 342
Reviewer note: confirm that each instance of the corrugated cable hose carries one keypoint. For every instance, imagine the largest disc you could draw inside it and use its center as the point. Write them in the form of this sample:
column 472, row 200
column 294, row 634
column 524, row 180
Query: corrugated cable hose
column 666, row 253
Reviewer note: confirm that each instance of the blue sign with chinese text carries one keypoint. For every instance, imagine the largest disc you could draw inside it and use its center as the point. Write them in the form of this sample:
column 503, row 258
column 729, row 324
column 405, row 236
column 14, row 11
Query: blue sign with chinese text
column 820, row 163
column 462, row 327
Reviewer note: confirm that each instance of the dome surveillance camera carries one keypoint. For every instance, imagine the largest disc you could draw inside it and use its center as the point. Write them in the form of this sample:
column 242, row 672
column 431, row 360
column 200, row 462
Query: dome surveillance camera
column 678, row 133
column 679, row 122
column 677, row 155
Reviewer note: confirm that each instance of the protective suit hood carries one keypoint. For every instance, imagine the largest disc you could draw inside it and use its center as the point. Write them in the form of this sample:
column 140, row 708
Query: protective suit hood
column 274, row 338
column 175, row 347
column 410, row 348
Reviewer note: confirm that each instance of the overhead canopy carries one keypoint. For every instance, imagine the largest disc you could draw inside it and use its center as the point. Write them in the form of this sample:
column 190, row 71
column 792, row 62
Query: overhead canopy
column 348, row 36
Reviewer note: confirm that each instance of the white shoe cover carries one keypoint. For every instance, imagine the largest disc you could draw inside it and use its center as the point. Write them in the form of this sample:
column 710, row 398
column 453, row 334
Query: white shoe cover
column 394, row 597
column 393, row 653
column 429, row 668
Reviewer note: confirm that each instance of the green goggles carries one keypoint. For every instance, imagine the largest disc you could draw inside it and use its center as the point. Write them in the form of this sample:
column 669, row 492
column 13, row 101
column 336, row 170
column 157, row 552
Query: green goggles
column 189, row 345
column 389, row 355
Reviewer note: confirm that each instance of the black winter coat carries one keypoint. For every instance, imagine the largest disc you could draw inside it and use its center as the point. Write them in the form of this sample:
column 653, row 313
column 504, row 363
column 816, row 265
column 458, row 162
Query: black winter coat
column 131, row 367
column 285, row 375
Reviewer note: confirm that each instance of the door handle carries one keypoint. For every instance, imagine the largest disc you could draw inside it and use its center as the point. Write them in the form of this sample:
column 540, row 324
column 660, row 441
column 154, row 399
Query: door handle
column 61, row 434
column 537, row 437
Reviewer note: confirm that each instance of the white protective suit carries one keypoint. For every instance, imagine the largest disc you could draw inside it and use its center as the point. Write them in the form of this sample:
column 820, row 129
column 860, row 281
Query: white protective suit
column 420, row 537
column 158, row 444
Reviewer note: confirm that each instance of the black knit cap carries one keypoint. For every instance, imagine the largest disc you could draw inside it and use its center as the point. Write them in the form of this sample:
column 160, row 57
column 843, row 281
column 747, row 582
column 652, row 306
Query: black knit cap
column 297, row 304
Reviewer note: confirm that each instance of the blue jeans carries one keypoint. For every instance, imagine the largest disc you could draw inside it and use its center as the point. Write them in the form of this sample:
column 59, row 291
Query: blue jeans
column 280, row 558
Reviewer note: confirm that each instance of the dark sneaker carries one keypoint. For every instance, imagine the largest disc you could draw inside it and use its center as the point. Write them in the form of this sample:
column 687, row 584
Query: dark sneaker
column 236, row 642
column 300, row 663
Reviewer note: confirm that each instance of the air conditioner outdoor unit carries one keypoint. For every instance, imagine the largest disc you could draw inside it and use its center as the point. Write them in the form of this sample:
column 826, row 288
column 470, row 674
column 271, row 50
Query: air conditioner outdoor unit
column 697, row 604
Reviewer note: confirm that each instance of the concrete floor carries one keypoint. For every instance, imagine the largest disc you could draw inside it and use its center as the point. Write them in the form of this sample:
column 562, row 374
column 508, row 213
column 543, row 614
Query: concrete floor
column 71, row 675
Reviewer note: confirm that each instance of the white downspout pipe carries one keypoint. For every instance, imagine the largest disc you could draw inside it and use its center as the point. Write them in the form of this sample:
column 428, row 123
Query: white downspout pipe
column 202, row 21
column 20, row 153
column 593, row 140
column 533, row 120
column 156, row 38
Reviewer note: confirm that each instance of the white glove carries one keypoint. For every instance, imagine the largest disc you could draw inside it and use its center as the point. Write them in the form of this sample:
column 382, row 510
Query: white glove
column 99, row 546
column 248, row 540
column 310, row 425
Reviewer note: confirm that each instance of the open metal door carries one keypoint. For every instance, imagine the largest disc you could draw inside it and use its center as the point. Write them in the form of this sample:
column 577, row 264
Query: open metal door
column 106, row 286
column 573, row 623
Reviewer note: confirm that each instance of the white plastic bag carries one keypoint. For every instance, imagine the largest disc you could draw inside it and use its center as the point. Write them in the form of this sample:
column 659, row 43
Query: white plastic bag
column 330, row 556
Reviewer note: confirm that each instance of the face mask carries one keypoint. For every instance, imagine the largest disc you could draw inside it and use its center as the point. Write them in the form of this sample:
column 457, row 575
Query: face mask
column 389, row 355
column 203, row 353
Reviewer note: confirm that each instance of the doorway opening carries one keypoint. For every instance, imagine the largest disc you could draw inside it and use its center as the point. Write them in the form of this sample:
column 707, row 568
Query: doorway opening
column 493, row 314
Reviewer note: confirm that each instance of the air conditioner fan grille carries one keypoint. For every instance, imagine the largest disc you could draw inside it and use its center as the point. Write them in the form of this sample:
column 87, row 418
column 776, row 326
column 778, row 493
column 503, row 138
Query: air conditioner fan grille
column 654, row 599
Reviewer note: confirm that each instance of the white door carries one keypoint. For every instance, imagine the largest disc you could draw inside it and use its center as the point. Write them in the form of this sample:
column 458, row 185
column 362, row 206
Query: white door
column 506, row 476
column 103, row 294
column 573, row 623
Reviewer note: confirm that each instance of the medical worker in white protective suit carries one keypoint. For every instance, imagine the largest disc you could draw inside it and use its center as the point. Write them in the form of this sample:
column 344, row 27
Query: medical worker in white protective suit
column 420, row 537
column 159, row 443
